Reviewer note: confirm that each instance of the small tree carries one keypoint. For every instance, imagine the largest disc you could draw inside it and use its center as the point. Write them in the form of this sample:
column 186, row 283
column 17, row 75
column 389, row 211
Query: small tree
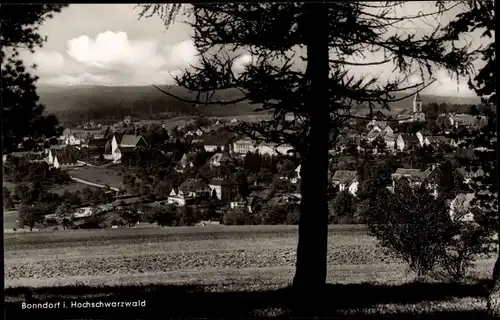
column 413, row 224
column 238, row 216
column 64, row 214
column 28, row 216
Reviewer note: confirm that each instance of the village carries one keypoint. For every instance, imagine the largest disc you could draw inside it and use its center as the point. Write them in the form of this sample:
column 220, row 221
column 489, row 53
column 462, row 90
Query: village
column 208, row 174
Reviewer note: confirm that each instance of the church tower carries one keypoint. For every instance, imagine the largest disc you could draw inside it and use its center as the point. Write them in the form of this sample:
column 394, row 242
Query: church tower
column 418, row 114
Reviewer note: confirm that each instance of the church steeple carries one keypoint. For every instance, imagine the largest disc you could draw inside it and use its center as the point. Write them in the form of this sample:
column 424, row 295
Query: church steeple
column 417, row 103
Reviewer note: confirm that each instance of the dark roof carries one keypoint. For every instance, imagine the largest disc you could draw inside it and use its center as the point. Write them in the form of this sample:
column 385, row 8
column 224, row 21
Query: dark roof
column 438, row 139
column 214, row 142
column 413, row 174
column 410, row 138
column 130, row 140
column 97, row 143
column 417, row 97
column 63, row 157
column 343, row 176
column 223, row 182
column 221, row 157
column 193, row 185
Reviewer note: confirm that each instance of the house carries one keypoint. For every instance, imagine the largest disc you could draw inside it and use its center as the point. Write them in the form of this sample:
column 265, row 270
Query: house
column 187, row 160
column 251, row 202
column 234, row 120
column 220, row 159
column 238, row 202
column 189, row 190
column 379, row 120
column 273, row 149
column 125, row 143
column 223, row 189
column 213, row 145
column 97, row 144
column 346, row 180
column 439, row 141
column 406, row 141
column 470, row 174
column 64, row 161
column 415, row 177
column 243, row 146
column 461, row 207
column 466, row 153
column 412, row 115
column 76, row 138
column 373, row 134
column 297, row 174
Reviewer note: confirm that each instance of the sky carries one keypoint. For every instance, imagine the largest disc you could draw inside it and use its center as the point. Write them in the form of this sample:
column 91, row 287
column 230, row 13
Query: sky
column 106, row 44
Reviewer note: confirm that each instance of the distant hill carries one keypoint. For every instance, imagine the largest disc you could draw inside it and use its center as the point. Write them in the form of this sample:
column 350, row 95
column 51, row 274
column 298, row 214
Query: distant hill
column 97, row 102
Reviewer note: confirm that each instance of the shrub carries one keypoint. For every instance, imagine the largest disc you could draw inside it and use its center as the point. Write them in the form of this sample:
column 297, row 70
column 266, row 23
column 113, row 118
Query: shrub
column 413, row 224
column 468, row 242
column 293, row 216
column 273, row 214
column 238, row 216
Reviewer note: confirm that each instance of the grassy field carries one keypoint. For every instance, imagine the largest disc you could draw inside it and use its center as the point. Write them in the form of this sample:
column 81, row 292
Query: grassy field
column 230, row 271
column 71, row 187
column 98, row 175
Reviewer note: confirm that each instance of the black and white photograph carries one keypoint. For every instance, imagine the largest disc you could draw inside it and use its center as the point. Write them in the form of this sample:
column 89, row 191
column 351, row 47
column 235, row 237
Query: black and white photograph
column 284, row 160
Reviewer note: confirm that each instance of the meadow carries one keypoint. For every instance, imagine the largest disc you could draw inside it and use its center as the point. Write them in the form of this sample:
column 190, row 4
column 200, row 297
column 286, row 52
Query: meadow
column 226, row 271
column 104, row 176
column 70, row 187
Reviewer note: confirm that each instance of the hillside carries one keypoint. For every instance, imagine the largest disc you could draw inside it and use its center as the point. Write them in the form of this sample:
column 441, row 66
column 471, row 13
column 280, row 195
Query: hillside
column 80, row 103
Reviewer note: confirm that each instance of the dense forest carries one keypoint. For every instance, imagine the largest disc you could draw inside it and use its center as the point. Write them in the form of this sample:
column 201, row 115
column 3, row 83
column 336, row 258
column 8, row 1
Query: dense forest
column 79, row 104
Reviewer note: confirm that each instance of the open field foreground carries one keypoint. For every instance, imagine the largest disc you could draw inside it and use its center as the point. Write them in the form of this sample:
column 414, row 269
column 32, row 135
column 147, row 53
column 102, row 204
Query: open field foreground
column 219, row 271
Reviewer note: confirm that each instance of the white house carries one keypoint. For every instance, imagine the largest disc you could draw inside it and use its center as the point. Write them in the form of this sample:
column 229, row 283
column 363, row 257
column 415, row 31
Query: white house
column 189, row 190
column 297, row 172
column 224, row 189
column 420, row 138
column 405, row 141
column 125, row 143
column 220, row 159
column 238, row 202
column 176, row 198
column 346, row 180
column 243, row 146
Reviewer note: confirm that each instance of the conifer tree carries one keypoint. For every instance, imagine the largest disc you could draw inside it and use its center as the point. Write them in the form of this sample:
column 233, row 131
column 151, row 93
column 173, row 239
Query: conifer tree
column 301, row 58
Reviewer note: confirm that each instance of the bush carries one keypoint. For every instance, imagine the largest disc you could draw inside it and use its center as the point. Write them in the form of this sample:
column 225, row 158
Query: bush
column 468, row 242
column 417, row 227
column 236, row 216
column 293, row 216
column 342, row 220
column 273, row 214
column 413, row 224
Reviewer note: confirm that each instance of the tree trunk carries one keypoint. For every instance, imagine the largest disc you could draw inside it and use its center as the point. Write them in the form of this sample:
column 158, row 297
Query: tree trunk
column 311, row 265
column 494, row 296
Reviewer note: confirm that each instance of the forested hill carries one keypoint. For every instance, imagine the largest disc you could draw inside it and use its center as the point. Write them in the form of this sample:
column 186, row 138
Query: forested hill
column 79, row 103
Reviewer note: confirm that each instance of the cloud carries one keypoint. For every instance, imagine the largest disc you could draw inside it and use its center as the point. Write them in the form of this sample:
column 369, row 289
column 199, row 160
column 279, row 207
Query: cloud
column 114, row 59
column 446, row 85
column 48, row 62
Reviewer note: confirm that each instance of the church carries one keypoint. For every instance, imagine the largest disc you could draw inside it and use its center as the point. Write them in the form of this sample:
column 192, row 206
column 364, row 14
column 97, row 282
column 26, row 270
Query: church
column 415, row 115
